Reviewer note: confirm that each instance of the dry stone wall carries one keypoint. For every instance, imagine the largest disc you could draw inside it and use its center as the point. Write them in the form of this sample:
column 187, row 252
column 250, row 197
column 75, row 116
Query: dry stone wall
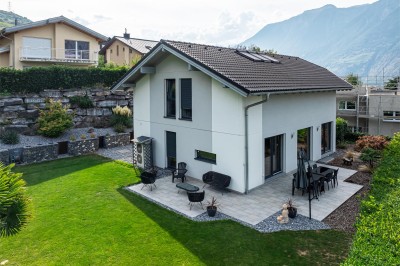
column 20, row 112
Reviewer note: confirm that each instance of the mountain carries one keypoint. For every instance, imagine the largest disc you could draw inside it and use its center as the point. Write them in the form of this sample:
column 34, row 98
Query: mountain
column 7, row 19
column 364, row 39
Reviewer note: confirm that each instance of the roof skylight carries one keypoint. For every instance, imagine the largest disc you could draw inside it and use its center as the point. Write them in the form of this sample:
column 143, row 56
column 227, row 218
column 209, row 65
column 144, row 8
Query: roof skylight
column 257, row 57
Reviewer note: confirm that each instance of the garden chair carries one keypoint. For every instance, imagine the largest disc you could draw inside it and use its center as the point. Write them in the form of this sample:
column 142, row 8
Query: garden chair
column 148, row 179
column 196, row 197
column 335, row 179
column 180, row 173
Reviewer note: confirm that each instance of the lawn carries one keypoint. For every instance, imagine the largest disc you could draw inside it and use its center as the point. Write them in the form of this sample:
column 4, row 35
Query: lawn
column 82, row 216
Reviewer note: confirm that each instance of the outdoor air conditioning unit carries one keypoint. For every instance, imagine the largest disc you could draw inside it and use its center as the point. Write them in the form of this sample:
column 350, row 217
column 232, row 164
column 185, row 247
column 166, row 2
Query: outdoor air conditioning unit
column 143, row 152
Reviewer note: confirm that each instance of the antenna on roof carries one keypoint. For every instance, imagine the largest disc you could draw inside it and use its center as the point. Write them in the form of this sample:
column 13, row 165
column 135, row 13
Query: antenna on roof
column 9, row 6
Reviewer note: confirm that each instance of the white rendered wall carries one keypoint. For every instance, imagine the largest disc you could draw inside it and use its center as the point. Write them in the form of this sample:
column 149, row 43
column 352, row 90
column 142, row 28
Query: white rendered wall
column 287, row 113
column 228, row 134
column 141, row 107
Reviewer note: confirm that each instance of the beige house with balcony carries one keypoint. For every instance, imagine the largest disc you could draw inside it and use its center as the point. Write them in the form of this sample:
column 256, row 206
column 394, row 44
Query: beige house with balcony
column 125, row 51
column 47, row 42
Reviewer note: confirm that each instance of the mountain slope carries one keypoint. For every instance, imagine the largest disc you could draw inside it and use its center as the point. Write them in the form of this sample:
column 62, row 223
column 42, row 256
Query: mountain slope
column 360, row 39
column 7, row 19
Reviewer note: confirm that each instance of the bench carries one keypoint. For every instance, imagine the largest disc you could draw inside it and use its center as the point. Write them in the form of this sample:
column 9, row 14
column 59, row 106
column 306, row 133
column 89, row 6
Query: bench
column 216, row 179
column 347, row 161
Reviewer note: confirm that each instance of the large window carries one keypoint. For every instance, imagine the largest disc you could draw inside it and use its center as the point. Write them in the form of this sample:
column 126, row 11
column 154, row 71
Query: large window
column 391, row 116
column 186, row 99
column 326, row 137
column 206, row 156
column 76, row 50
column 170, row 92
column 347, row 105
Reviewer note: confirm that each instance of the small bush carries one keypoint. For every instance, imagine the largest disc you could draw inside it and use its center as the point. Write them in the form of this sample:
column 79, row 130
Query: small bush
column 82, row 101
column 54, row 120
column 374, row 142
column 9, row 137
column 119, row 128
column 121, row 118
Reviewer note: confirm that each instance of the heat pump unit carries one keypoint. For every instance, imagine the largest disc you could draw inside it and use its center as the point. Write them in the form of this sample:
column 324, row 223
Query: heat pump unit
column 143, row 152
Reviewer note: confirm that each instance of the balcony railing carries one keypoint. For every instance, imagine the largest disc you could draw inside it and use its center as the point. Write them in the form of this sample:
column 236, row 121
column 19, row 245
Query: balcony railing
column 58, row 55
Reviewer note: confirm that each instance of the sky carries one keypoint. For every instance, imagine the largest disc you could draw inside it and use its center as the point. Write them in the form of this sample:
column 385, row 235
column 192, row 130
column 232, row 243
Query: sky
column 214, row 22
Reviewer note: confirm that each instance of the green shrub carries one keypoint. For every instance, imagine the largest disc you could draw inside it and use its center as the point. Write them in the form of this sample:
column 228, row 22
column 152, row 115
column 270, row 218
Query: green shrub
column 121, row 118
column 9, row 137
column 81, row 101
column 54, row 120
column 353, row 136
column 37, row 79
column 13, row 201
column 377, row 240
column 370, row 155
column 341, row 129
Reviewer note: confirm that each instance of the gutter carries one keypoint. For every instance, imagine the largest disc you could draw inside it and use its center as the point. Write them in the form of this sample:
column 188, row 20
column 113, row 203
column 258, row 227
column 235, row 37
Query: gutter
column 246, row 140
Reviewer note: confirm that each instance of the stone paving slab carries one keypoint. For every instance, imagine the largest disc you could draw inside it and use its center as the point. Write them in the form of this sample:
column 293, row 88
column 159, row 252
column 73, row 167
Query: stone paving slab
column 256, row 206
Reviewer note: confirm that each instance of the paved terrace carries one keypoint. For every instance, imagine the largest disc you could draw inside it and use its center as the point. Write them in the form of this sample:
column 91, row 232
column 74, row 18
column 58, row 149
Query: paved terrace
column 256, row 206
column 253, row 208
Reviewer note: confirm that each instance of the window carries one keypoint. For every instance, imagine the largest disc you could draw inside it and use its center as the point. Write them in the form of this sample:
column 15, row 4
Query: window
column 347, row 105
column 130, row 51
column 391, row 116
column 36, row 48
column 257, row 57
column 206, row 157
column 76, row 50
column 186, row 99
column 123, row 49
column 117, row 50
column 326, row 136
column 110, row 51
column 170, row 98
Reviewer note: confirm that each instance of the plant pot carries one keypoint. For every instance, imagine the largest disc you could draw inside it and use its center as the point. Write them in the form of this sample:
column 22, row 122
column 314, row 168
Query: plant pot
column 292, row 212
column 211, row 211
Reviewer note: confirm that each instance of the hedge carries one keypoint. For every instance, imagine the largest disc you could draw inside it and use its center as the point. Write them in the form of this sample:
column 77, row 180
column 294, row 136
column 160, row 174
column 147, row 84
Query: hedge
column 377, row 240
column 36, row 79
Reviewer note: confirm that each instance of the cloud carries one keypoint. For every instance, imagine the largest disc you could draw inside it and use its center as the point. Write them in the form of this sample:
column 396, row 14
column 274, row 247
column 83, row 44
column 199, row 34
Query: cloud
column 82, row 21
column 100, row 18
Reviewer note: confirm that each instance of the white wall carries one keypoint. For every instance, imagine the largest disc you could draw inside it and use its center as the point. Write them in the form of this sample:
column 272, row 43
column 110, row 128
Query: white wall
column 287, row 113
column 141, row 107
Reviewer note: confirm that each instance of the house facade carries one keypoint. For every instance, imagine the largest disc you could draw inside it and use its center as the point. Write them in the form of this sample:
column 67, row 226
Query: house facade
column 233, row 112
column 371, row 110
column 125, row 51
column 56, row 40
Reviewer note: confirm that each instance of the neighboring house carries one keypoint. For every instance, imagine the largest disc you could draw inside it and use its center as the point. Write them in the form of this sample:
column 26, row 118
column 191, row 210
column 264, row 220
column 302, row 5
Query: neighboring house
column 56, row 40
column 125, row 51
column 370, row 110
column 230, row 111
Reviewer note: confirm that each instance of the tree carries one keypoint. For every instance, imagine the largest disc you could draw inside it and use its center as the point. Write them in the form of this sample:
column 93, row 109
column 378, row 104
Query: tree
column 393, row 84
column 101, row 62
column 370, row 155
column 353, row 79
column 13, row 201
column 341, row 129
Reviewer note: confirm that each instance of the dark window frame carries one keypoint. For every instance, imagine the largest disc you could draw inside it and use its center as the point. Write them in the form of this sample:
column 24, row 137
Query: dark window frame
column 186, row 91
column 205, row 156
column 326, row 128
column 170, row 98
column 77, row 52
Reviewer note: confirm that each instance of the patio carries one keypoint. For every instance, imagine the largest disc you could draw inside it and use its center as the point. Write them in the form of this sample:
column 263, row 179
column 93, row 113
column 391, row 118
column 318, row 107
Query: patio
column 258, row 205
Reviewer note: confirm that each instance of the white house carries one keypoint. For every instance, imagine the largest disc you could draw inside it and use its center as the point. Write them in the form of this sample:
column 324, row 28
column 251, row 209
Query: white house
column 235, row 112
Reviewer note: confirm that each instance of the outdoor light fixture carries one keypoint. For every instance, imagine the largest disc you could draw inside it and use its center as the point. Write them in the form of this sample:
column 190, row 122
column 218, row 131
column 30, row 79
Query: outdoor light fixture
column 292, row 135
column 317, row 128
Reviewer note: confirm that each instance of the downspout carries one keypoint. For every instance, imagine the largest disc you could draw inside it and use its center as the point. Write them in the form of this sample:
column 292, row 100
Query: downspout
column 246, row 141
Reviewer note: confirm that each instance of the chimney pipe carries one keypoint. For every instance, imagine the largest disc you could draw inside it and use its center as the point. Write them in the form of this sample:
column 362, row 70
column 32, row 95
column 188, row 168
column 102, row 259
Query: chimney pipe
column 127, row 35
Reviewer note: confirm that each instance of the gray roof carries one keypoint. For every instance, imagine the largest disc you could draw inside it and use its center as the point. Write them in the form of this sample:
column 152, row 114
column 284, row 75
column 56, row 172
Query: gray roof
column 62, row 19
column 140, row 45
column 282, row 74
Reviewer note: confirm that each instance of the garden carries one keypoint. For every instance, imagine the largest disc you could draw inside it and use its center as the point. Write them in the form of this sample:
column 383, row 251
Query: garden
column 80, row 213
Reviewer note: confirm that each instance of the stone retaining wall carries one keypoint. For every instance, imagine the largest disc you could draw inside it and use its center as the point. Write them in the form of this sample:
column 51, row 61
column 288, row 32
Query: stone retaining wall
column 121, row 139
column 40, row 152
column 4, row 156
column 20, row 112
column 80, row 147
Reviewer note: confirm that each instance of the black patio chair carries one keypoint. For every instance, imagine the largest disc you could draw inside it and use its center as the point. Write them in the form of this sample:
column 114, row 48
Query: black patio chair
column 180, row 174
column 335, row 180
column 196, row 197
column 148, row 179
column 329, row 179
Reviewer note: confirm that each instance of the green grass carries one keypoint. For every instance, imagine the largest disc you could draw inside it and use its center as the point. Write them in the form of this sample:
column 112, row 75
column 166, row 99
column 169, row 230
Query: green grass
column 82, row 216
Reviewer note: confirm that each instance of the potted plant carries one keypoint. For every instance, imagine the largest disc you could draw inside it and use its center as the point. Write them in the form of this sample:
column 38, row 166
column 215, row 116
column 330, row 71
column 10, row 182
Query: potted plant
column 212, row 207
column 292, row 210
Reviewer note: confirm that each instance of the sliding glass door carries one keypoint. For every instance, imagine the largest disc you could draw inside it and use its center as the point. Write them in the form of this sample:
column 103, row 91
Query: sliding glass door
column 273, row 155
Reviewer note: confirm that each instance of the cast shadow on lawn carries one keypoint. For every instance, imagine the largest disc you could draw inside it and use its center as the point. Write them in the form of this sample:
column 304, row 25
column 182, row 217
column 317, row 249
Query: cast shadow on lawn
column 40, row 172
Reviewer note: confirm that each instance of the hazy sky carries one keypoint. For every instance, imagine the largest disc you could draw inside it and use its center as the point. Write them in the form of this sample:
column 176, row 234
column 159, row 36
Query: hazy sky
column 222, row 22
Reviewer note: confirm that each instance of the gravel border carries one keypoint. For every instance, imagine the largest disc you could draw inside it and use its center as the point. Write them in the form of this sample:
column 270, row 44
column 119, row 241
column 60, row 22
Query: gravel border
column 268, row 225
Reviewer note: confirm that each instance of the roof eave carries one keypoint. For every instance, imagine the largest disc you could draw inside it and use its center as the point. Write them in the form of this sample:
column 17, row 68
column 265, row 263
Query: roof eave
column 295, row 90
